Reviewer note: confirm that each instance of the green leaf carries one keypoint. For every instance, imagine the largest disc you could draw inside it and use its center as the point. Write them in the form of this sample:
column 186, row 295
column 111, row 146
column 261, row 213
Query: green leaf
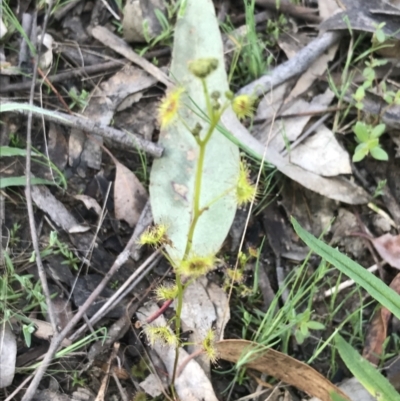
column 373, row 381
column 299, row 337
column 9, row 151
column 378, row 130
column 373, row 143
column 379, row 154
column 21, row 181
column 360, row 94
column 315, row 325
column 361, row 130
column 337, row 397
column 380, row 36
column 360, row 154
column 4, row 107
column 173, row 176
column 388, row 98
column 369, row 74
column 374, row 286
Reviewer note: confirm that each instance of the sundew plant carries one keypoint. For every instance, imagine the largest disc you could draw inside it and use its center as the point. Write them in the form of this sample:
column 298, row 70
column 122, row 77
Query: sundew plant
column 187, row 255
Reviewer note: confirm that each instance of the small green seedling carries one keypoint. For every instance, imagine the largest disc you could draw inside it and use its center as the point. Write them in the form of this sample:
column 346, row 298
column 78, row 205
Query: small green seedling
column 368, row 138
column 379, row 35
column 28, row 330
column 303, row 325
column 379, row 188
column 80, row 99
column 369, row 75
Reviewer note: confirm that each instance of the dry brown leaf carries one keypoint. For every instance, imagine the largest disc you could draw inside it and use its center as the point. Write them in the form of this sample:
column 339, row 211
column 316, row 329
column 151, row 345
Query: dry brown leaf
column 90, row 203
column 280, row 366
column 388, row 247
column 376, row 335
column 130, row 195
column 377, row 330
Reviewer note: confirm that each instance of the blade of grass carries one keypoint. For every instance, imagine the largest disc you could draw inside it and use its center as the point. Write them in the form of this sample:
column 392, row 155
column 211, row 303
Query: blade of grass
column 20, row 106
column 374, row 286
column 21, row 181
column 376, row 384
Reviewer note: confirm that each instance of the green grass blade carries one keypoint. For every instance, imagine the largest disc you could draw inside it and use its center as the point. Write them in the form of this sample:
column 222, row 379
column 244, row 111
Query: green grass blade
column 374, row 286
column 376, row 384
column 6, row 107
column 21, row 181
column 9, row 151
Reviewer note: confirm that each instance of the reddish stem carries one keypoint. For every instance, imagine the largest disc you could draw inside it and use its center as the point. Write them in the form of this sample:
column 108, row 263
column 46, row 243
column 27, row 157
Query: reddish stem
column 163, row 308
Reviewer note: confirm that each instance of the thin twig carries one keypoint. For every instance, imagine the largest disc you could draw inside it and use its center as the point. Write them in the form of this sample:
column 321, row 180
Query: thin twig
column 305, row 13
column 116, row 298
column 84, row 124
column 28, row 193
column 122, row 391
column 106, row 377
column 108, row 66
column 345, row 284
column 60, row 98
column 118, row 45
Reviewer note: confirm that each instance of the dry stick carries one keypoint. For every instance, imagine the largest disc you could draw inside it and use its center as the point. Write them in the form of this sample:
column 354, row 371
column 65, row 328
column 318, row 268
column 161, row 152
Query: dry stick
column 106, row 377
column 122, row 391
column 84, row 124
column 28, row 193
column 344, row 284
column 305, row 13
column 60, row 98
column 57, row 339
column 108, row 66
column 293, row 67
column 120, row 46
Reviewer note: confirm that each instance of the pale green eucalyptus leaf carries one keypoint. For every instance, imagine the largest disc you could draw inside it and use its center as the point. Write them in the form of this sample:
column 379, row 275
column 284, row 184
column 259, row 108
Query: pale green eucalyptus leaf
column 370, row 377
column 375, row 287
column 173, row 176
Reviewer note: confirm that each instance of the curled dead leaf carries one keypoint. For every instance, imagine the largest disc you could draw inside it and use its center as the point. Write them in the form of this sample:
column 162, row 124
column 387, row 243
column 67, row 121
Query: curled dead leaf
column 130, row 195
column 388, row 247
column 281, row 366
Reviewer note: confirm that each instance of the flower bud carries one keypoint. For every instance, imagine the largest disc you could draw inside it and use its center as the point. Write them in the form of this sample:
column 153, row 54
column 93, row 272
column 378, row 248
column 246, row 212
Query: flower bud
column 203, row 67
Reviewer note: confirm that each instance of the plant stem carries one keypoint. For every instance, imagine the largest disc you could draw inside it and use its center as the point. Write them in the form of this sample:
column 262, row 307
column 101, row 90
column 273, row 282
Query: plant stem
column 197, row 211
column 177, row 324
